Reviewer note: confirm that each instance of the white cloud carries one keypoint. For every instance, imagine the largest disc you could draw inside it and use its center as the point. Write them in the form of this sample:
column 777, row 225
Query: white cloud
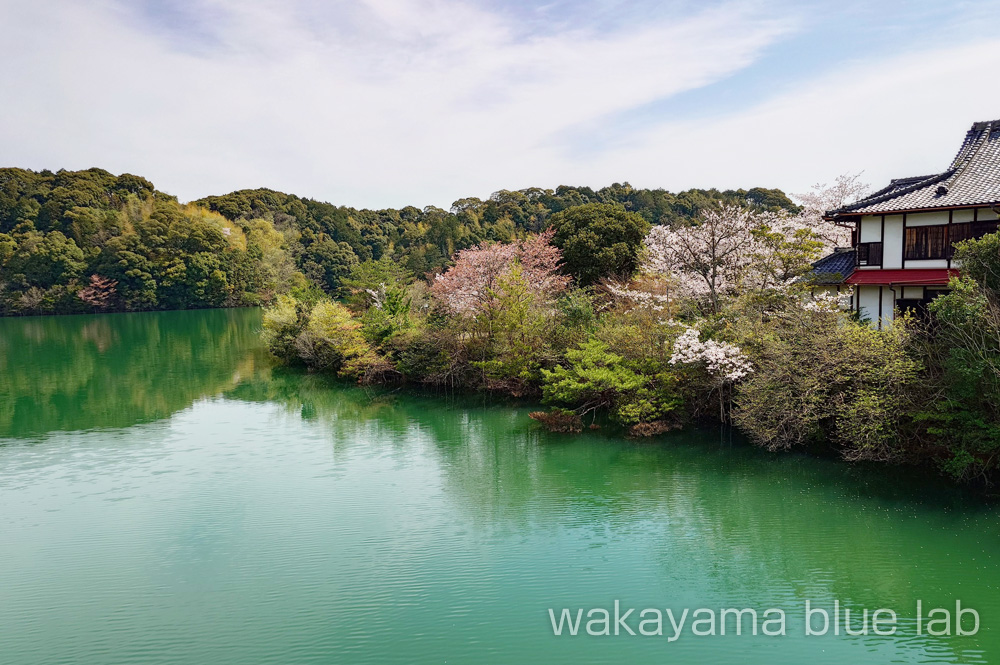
column 391, row 102
column 899, row 117
column 383, row 102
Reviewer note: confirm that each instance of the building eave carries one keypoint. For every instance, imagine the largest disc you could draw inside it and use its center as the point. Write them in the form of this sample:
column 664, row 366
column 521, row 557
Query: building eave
column 838, row 218
column 902, row 276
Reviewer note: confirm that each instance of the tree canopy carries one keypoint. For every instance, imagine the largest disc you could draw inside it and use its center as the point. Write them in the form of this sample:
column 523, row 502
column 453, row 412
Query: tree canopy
column 599, row 240
column 61, row 231
column 91, row 241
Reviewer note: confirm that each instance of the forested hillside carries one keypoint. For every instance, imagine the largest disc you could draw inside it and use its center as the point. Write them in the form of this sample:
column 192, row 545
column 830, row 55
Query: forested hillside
column 424, row 239
column 90, row 241
column 82, row 241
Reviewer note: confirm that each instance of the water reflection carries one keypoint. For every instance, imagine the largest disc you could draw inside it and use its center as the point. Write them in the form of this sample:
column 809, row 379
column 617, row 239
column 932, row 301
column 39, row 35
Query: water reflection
column 83, row 372
column 428, row 505
column 724, row 524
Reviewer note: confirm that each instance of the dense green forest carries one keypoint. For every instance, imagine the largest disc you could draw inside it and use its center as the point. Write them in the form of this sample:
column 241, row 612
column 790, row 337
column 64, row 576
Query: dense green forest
column 82, row 241
column 90, row 241
column 424, row 239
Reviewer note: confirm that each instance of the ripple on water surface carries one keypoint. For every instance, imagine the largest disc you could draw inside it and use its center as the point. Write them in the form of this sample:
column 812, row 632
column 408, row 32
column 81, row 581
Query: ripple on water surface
column 251, row 516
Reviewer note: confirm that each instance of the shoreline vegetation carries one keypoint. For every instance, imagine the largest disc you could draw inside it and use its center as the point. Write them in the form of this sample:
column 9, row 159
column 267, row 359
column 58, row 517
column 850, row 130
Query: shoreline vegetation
column 650, row 309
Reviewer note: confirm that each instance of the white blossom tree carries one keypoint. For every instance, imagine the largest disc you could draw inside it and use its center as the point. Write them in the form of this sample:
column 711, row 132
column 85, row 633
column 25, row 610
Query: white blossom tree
column 645, row 291
column 708, row 258
column 823, row 198
column 725, row 363
column 732, row 247
column 825, row 301
column 722, row 360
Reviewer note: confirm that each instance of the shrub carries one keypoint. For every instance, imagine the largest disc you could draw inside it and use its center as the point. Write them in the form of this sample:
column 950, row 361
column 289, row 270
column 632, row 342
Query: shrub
column 559, row 420
column 654, row 428
column 330, row 337
column 961, row 411
column 431, row 354
column 820, row 376
column 324, row 337
column 282, row 323
column 596, row 378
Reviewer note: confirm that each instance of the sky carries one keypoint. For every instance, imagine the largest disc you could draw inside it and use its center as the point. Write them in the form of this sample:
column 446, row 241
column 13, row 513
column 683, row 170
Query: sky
column 385, row 103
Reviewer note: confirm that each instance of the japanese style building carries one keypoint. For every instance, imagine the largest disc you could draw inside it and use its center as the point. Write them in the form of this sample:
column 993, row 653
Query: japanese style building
column 902, row 236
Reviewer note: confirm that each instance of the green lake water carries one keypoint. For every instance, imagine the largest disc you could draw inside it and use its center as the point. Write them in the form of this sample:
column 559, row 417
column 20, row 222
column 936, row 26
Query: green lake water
column 168, row 496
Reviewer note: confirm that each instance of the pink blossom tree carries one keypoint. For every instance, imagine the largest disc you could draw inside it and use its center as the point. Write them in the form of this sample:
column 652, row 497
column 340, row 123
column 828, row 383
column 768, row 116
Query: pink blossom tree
column 473, row 284
column 99, row 293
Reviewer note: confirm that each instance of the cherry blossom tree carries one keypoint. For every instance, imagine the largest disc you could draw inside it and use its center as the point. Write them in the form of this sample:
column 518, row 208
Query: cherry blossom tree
column 708, row 258
column 724, row 363
column 733, row 247
column 653, row 296
column 640, row 293
column 827, row 302
column 722, row 360
column 99, row 293
column 823, row 198
column 472, row 285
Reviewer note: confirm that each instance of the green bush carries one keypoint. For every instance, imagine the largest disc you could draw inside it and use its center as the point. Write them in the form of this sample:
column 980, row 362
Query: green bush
column 961, row 412
column 819, row 376
column 281, row 325
column 596, row 378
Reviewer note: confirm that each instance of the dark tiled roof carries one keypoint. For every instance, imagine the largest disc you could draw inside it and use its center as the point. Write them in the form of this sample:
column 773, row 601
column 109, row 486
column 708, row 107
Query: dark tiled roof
column 832, row 268
column 972, row 179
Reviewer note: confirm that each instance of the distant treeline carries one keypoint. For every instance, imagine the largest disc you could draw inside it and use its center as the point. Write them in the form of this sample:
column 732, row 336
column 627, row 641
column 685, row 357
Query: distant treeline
column 424, row 239
column 82, row 241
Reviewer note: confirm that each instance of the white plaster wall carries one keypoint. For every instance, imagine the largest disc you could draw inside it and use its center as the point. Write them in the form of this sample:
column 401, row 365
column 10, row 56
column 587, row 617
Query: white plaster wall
column 871, row 228
column 959, row 216
column 888, row 305
column 892, row 251
column 868, row 299
column 927, row 218
column 927, row 263
column 913, row 292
